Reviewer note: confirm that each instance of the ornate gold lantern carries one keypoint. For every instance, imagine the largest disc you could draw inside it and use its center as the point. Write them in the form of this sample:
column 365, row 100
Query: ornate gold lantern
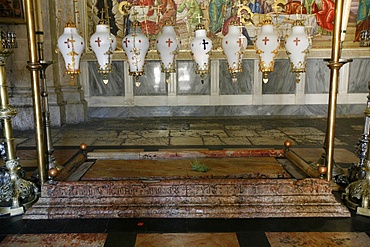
column 267, row 44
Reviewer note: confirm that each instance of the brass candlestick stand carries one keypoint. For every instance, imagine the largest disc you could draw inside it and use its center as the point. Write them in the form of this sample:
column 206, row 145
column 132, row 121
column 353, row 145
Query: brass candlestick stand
column 16, row 194
column 357, row 171
column 335, row 63
column 356, row 195
column 52, row 164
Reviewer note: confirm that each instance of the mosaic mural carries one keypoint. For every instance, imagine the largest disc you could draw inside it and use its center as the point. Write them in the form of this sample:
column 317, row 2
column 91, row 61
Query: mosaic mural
column 215, row 15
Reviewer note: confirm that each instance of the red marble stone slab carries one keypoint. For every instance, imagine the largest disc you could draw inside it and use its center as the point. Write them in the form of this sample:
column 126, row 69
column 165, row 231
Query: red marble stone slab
column 28, row 158
column 187, row 239
column 55, row 240
column 200, row 198
column 247, row 167
column 332, row 239
column 184, row 154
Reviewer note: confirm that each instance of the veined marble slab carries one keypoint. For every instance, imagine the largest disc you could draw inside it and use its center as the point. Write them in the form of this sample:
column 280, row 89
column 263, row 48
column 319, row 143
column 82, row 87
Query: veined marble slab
column 187, row 239
column 334, row 239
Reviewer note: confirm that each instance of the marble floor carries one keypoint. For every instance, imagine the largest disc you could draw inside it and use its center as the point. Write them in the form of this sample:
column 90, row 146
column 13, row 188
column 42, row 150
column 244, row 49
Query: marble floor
column 306, row 134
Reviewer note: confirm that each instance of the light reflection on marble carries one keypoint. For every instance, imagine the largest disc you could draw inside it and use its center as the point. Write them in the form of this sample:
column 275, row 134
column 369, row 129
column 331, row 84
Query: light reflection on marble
column 244, row 84
column 359, row 76
column 188, row 82
column 116, row 84
column 281, row 81
column 152, row 82
column 317, row 76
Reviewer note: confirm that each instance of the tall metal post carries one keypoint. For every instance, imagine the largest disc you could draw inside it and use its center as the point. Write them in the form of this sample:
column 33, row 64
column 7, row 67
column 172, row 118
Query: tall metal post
column 34, row 67
column 334, row 64
column 51, row 162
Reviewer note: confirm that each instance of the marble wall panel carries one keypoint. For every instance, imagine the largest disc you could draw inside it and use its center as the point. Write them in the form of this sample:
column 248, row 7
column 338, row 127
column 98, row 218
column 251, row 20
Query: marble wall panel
column 212, row 111
column 194, row 111
column 281, row 81
column 359, row 76
column 152, row 82
column 115, row 86
column 317, row 76
column 244, row 84
column 188, row 82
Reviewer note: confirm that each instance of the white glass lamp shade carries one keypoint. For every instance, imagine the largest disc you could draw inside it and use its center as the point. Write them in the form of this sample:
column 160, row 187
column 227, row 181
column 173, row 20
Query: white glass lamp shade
column 201, row 46
column 71, row 46
column 103, row 44
column 267, row 44
column 296, row 45
column 167, row 47
column 136, row 46
column 234, row 45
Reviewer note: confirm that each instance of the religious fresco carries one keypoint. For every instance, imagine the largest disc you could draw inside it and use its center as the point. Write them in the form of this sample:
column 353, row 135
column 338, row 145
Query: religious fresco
column 215, row 15
column 363, row 20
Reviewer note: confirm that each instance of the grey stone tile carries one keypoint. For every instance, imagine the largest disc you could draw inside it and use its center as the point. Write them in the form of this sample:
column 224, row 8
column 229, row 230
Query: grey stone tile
column 107, row 142
column 87, row 133
column 357, row 127
column 144, row 134
column 18, row 141
column 31, row 142
column 186, row 141
column 315, row 140
column 272, row 133
column 198, row 133
column 160, row 141
column 266, row 140
column 301, row 131
column 195, row 126
column 68, row 141
column 236, row 141
column 235, row 127
column 213, row 141
column 241, row 133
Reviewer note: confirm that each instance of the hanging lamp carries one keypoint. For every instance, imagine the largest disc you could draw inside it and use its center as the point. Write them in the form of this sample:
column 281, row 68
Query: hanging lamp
column 136, row 46
column 267, row 44
column 103, row 43
column 296, row 45
column 71, row 46
column 167, row 48
column 234, row 45
column 200, row 47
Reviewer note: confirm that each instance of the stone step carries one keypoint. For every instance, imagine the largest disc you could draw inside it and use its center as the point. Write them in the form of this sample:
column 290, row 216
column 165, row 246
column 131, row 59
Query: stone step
column 227, row 211
column 188, row 201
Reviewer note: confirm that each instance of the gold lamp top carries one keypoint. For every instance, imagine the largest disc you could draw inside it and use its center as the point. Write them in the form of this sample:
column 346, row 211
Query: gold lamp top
column 168, row 22
column 70, row 24
column 199, row 26
column 298, row 23
column 267, row 21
